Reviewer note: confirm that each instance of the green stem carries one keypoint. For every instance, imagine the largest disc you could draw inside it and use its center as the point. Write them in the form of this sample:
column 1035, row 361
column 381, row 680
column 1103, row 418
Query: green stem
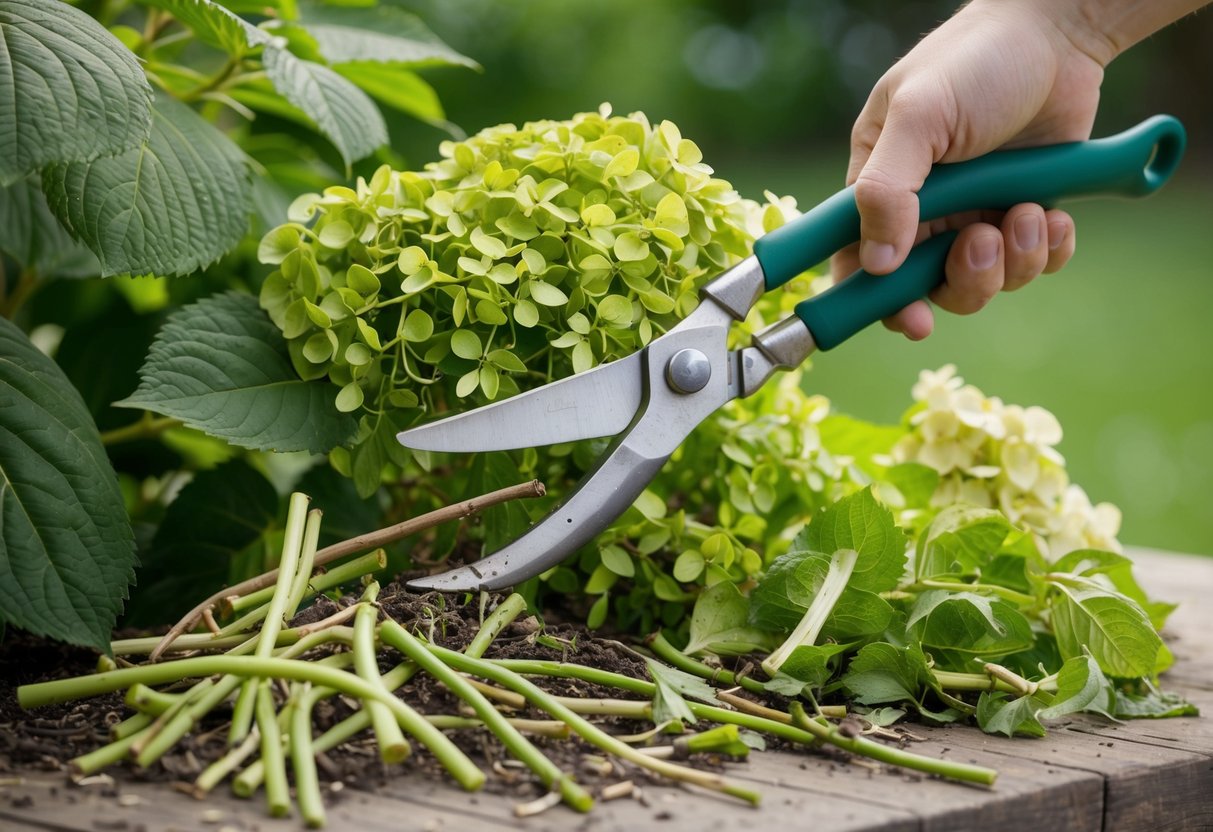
column 277, row 795
column 214, row 82
column 548, row 772
column 303, row 759
column 546, row 702
column 148, row 427
column 131, row 725
column 951, row 680
column 171, row 725
column 842, row 564
column 292, row 543
column 892, row 756
column 307, row 554
column 392, row 745
column 105, row 756
column 1003, row 592
column 249, row 780
column 27, row 283
column 506, row 612
column 537, row 667
column 214, row 774
column 551, row 728
column 48, row 693
column 672, row 655
column 335, row 577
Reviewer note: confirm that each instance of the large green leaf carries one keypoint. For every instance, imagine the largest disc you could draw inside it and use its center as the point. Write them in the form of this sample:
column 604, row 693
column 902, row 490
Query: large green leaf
column 396, row 87
column 30, row 234
column 221, row 366
column 961, row 540
column 861, row 523
column 720, row 624
column 69, row 90
column 218, row 515
column 1114, row 629
column 66, row 547
column 341, row 111
column 170, row 206
column 213, row 24
column 380, row 33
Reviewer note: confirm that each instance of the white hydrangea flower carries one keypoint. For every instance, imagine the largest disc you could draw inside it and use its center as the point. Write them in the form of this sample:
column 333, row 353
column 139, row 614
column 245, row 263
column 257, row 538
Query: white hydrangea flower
column 992, row 454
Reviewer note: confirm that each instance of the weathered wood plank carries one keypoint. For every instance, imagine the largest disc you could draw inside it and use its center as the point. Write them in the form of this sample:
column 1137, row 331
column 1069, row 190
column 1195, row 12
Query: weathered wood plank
column 1026, row 793
column 1146, row 786
column 783, row 804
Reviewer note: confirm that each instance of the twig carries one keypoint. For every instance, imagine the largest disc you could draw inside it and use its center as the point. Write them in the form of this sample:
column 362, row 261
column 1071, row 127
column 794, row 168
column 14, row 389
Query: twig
column 361, row 543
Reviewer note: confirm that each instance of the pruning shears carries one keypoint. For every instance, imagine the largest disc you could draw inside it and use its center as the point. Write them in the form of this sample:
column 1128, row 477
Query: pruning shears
column 654, row 398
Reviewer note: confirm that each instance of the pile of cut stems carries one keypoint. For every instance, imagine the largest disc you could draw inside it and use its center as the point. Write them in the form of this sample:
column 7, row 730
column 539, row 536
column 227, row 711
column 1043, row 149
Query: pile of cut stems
column 266, row 678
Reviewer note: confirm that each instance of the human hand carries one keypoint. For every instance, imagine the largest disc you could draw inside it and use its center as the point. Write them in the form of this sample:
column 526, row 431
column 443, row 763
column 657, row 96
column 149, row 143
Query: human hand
column 997, row 74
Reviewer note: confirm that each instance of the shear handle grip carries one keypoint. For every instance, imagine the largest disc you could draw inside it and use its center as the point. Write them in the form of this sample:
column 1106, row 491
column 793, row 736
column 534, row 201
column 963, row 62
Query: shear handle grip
column 862, row 299
column 1133, row 163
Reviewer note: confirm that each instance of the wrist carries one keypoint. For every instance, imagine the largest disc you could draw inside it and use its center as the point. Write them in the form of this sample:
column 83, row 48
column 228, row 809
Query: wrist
column 1102, row 29
column 1092, row 27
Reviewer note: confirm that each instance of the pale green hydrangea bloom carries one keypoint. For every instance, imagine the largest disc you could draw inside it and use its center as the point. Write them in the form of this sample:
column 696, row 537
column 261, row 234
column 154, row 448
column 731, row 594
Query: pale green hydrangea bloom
column 1003, row 456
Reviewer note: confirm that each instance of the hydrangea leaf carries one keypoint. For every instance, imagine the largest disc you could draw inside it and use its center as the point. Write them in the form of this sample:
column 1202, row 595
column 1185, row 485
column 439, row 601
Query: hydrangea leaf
column 384, row 34
column 1153, row 704
column 1115, row 630
column 342, row 112
column 884, row 673
column 961, row 540
column 66, row 548
column 861, row 523
column 968, row 623
column 169, row 206
column 70, row 91
column 221, row 366
column 1081, row 686
column 213, row 24
column 31, row 235
column 396, row 87
column 998, row 713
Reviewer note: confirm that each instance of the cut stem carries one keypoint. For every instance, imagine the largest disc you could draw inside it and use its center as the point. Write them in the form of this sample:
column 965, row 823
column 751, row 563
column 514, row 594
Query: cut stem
column 292, row 543
column 393, row 747
column 467, row 508
column 277, row 795
column 842, row 564
column 303, row 760
column 546, row 702
column 672, row 655
column 548, row 772
column 502, row 617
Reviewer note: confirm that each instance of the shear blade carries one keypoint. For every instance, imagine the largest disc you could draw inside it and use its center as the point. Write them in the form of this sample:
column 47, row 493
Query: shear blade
column 662, row 419
column 598, row 402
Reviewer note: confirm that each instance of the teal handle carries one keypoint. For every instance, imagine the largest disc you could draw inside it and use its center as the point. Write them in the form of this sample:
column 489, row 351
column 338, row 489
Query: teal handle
column 1136, row 162
column 862, row 299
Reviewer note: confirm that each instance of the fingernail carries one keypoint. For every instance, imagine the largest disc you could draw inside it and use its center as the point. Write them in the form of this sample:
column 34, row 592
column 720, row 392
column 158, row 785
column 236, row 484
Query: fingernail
column 1027, row 232
column 876, row 257
column 983, row 253
column 1057, row 234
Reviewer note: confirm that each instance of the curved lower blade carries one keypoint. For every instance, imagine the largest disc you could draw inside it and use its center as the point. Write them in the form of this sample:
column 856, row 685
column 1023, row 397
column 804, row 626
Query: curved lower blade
column 604, row 494
column 598, row 402
column 664, row 419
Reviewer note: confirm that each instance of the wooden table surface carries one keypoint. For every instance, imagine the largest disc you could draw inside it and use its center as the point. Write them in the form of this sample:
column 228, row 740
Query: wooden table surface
column 1087, row 774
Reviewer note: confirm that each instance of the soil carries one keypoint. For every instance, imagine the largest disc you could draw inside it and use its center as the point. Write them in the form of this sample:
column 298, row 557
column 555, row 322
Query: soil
column 46, row 739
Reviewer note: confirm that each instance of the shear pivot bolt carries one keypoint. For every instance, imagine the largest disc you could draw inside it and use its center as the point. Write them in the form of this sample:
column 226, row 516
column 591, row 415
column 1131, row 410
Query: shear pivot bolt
column 688, row 371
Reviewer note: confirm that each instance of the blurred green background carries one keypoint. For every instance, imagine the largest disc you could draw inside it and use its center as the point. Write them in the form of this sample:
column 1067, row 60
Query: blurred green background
column 1119, row 345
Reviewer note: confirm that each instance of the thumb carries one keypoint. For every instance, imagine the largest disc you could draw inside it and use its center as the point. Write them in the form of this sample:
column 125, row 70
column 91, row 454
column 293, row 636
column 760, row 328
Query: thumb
column 886, row 188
